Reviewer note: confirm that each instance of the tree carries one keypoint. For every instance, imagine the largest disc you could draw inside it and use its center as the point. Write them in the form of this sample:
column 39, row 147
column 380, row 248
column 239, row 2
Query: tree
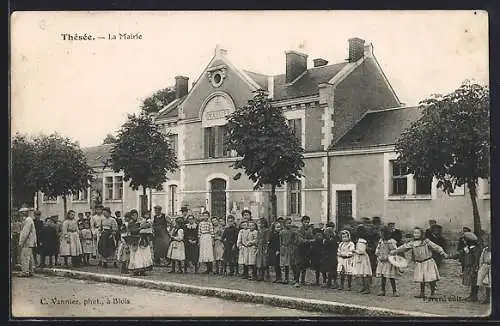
column 23, row 159
column 144, row 153
column 110, row 139
column 451, row 141
column 61, row 167
column 158, row 100
column 271, row 153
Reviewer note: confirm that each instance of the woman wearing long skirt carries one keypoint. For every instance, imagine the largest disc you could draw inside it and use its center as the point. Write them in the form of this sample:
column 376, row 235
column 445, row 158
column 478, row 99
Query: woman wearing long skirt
column 70, row 245
column 218, row 245
column 176, row 251
column 206, row 236
column 107, row 242
column 50, row 242
column 141, row 259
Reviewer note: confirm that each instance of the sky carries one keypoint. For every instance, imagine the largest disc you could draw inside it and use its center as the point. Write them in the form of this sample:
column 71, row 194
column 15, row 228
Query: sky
column 85, row 89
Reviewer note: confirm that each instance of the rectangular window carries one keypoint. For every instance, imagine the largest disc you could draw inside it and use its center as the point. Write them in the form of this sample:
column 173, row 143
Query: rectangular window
column 423, row 185
column 83, row 195
column 172, row 189
column 214, row 142
column 296, row 126
column 174, row 142
column 294, row 196
column 49, row 198
column 118, row 188
column 399, row 179
column 108, row 188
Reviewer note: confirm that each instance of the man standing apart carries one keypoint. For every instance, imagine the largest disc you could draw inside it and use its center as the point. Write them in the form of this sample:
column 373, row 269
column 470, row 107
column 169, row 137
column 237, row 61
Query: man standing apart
column 27, row 242
column 161, row 236
column 95, row 225
column 38, row 227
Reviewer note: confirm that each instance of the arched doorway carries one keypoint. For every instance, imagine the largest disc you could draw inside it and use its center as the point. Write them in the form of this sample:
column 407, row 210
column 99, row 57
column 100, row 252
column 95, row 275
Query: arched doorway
column 218, row 197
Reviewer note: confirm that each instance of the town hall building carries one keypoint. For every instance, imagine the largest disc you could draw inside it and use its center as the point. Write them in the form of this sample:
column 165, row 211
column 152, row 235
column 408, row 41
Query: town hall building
column 347, row 117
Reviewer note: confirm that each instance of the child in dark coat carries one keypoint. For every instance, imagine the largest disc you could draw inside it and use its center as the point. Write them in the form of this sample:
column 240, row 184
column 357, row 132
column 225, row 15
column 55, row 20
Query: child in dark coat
column 273, row 250
column 229, row 238
column 318, row 255
column 330, row 248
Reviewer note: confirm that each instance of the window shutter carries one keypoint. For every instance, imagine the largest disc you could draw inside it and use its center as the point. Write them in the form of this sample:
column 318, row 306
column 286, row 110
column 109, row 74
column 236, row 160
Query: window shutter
column 207, row 141
column 298, row 130
column 219, row 133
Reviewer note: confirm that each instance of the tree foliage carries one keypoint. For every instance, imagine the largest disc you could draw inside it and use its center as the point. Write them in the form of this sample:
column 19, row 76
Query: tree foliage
column 23, row 160
column 143, row 152
column 110, row 139
column 271, row 153
column 451, row 141
column 61, row 167
column 158, row 100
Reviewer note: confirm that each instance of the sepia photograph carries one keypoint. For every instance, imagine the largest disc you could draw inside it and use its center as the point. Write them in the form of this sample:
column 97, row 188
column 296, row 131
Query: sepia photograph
column 298, row 164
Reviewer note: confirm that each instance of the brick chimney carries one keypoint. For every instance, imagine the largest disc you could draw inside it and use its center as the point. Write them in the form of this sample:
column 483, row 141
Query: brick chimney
column 181, row 86
column 356, row 49
column 296, row 64
column 320, row 62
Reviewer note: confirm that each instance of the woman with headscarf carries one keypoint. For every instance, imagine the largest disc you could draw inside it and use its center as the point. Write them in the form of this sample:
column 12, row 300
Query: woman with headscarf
column 70, row 245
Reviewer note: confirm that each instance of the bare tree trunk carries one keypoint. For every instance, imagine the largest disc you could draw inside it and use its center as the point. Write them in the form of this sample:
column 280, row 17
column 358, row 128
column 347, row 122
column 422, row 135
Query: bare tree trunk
column 475, row 210
column 65, row 205
column 274, row 208
column 142, row 200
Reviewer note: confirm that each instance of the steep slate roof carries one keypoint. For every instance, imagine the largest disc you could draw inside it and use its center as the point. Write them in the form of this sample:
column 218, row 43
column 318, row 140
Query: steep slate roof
column 172, row 109
column 260, row 79
column 378, row 128
column 97, row 155
column 307, row 84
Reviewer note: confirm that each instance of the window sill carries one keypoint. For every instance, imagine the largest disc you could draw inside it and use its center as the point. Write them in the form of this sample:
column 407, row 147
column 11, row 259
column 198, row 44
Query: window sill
column 85, row 201
column 409, row 197
column 113, row 200
column 49, row 202
column 486, row 197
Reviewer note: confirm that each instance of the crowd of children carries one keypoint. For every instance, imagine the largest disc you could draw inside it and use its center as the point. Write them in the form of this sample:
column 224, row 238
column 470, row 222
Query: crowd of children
column 251, row 248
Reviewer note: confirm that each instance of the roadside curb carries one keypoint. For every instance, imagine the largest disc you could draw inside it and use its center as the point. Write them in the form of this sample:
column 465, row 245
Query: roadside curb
column 237, row 295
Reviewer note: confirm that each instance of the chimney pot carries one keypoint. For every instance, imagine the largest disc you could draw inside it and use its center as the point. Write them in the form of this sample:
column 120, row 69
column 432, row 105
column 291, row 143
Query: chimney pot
column 356, row 49
column 181, row 86
column 296, row 64
column 318, row 62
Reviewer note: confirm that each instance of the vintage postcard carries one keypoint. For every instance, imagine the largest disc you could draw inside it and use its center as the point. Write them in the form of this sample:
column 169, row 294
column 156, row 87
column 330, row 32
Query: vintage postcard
column 293, row 164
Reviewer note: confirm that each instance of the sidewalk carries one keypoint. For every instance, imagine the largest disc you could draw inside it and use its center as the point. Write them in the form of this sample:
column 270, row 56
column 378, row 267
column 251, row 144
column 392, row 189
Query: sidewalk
column 448, row 303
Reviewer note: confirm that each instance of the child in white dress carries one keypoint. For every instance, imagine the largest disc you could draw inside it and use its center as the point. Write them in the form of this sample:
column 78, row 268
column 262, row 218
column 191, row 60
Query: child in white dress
column 385, row 270
column 345, row 257
column 362, row 266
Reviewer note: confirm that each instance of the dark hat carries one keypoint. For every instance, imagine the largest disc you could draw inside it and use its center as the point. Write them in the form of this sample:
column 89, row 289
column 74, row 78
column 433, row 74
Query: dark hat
column 107, row 209
column 99, row 206
column 246, row 211
column 157, row 206
column 184, row 209
column 470, row 236
column 391, row 223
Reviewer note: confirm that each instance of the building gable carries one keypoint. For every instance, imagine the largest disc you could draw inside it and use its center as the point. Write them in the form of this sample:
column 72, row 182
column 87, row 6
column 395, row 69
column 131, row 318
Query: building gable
column 219, row 76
